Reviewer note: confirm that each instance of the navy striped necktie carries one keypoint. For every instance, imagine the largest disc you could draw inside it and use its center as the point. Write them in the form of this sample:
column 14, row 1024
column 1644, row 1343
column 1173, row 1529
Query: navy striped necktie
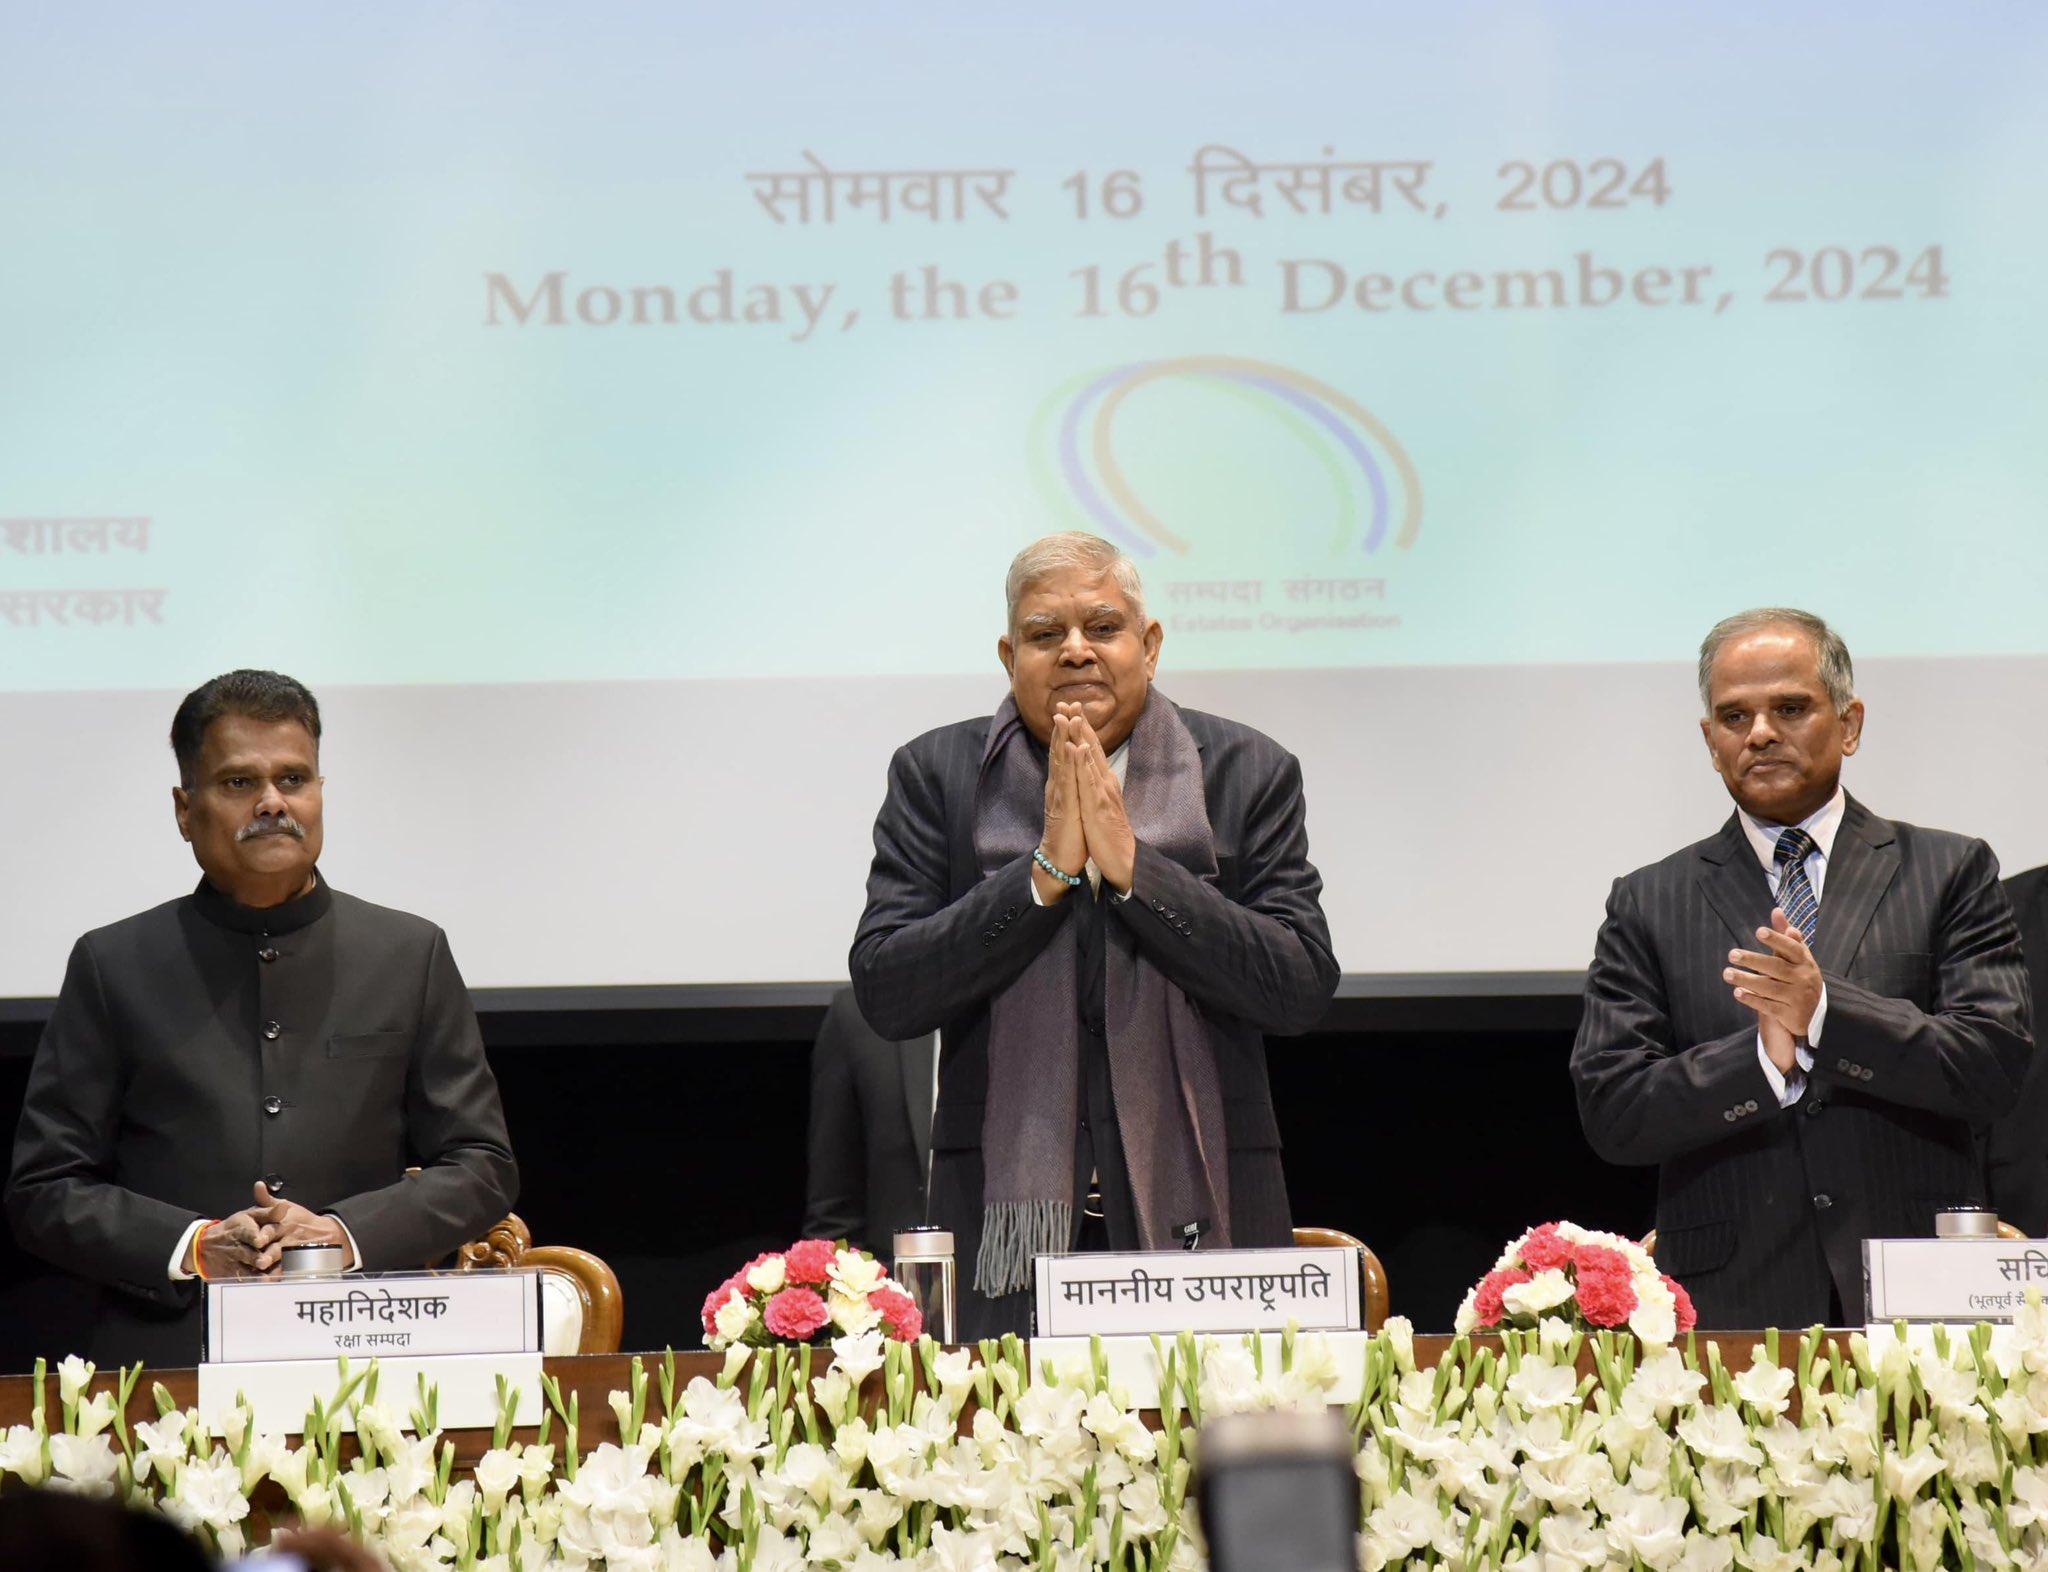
column 1795, row 894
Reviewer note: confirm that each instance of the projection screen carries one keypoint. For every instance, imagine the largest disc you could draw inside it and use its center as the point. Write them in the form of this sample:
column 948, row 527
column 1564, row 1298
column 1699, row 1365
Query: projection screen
column 622, row 415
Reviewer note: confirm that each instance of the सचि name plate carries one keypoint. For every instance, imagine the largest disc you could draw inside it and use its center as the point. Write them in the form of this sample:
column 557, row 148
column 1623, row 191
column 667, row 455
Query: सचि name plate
column 377, row 1315
column 1967, row 1280
column 1171, row 1291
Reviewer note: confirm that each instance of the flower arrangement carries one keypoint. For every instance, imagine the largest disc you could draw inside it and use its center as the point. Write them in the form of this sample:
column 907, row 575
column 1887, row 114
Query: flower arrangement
column 1581, row 1277
column 1557, row 1451
column 814, row 1290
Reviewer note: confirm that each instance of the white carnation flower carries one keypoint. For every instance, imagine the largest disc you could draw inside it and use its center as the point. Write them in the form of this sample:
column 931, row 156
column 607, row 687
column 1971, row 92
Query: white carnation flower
column 768, row 1277
column 856, row 1275
column 1545, row 1291
column 735, row 1318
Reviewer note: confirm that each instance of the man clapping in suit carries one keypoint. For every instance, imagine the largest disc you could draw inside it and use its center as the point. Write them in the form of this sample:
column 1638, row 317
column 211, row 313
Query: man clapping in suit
column 1802, row 1019
column 1103, row 901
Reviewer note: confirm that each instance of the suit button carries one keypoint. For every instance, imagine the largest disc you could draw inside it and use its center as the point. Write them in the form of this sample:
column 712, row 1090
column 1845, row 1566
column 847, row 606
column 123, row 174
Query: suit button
column 273, row 1104
column 1010, row 914
column 1822, row 1202
column 1866, row 1072
column 1750, row 1106
column 1728, row 1115
column 272, row 1031
column 1159, row 906
column 275, row 1182
column 1845, row 1066
column 1813, row 1107
column 266, row 954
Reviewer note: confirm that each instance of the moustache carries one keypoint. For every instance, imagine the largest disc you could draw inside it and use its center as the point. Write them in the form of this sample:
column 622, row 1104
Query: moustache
column 283, row 824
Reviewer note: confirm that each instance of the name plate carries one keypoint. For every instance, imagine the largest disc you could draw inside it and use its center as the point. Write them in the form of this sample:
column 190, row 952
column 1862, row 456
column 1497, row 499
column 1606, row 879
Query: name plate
column 378, row 1315
column 1965, row 1280
column 1171, row 1291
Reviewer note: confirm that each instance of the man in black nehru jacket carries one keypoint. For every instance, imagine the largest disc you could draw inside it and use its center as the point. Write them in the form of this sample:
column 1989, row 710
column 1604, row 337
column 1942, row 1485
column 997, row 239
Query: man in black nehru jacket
column 1805, row 1020
column 256, row 1064
column 1103, row 901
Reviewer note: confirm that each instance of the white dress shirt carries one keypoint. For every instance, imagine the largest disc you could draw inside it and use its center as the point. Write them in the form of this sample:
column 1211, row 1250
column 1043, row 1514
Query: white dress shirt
column 1763, row 840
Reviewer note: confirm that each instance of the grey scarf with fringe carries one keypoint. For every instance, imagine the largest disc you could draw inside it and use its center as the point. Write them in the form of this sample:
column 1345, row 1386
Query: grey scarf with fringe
column 1162, row 1061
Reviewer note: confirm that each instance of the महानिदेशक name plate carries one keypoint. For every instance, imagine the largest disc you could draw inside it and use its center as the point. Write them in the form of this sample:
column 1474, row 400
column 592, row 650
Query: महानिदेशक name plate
column 1962, row 1280
column 1315, row 1287
column 376, row 1316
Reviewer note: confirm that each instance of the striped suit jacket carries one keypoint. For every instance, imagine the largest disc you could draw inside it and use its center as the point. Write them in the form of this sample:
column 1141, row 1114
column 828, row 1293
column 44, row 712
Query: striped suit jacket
column 1761, row 1209
column 938, row 942
column 2017, row 1161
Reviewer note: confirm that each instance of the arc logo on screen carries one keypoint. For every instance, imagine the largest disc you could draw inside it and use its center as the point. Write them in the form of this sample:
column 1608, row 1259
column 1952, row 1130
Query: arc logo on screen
column 1256, row 498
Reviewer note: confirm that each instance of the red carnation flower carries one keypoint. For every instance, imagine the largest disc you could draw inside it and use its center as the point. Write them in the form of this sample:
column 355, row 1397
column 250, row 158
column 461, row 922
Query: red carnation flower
column 809, row 1261
column 1688, row 1318
column 1486, row 1303
column 1607, row 1294
column 897, row 1308
column 1601, row 1258
column 1545, row 1251
column 796, row 1313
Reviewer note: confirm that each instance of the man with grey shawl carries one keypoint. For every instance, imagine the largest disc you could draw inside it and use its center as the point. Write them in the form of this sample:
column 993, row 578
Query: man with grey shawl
column 1102, row 902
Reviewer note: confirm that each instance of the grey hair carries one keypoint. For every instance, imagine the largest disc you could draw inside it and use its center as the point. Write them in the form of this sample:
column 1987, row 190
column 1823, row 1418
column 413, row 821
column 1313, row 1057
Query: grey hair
column 1837, row 674
column 1073, row 549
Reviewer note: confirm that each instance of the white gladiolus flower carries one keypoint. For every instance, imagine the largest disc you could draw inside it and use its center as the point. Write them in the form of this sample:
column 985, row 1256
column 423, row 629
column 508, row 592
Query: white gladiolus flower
column 1650, row 1529
column 1764, row 1386
column 86, row 1463
column 497, row 1476
column 1706, row 1553
column 1763, row 1554
column 1404, row 1525
column 1906, row 1476
column 860, row 1355
column 208, row 1495
column 1545, row 1291
column 74, row 1375
column 1663, row 1382
column 769, row 1276
column 955, row 1370
column 95, row 1414
column 1719, row 1435
column 21, row 1454
column 161, row 1447
column 1537, row 1386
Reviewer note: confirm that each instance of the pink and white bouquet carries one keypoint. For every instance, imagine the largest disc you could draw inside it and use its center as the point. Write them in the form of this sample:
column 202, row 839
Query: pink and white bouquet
column 816, row 1290
column 1574, row 1274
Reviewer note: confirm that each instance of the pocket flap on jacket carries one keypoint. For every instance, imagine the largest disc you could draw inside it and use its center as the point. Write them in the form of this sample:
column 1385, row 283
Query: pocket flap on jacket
column 1699, row 1248
column 369, row 1045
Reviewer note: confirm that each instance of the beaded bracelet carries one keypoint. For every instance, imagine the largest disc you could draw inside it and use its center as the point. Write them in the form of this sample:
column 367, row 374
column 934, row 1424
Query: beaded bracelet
column 1068, row 879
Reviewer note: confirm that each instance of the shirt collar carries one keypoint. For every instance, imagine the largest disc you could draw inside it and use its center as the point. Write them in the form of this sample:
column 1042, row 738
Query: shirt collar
column 1821, row 824
column 299, row 912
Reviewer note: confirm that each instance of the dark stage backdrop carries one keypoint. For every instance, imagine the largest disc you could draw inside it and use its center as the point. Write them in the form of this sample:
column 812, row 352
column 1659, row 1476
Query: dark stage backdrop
column 1435, row 1129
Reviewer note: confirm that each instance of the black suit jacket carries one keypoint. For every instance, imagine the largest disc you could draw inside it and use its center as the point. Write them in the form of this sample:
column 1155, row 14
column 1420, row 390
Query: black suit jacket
column 2017, row 1158
column 938, row 941
column 871, row 1131
column 1760, row 1209
column 325, row 1046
